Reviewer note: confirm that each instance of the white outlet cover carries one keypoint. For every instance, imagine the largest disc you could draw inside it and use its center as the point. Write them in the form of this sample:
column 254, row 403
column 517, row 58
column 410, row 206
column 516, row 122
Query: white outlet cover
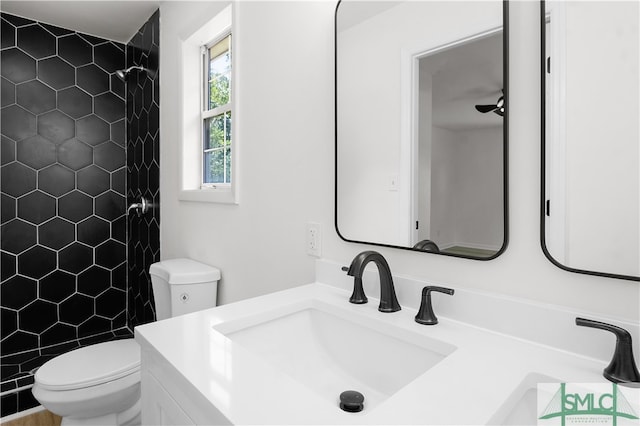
column 314, row 239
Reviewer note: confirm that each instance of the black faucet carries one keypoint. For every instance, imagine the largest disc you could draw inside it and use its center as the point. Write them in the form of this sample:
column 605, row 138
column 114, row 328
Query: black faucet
column 425, row 313
column 427, row 245
column 388, row 300
column 622, row 368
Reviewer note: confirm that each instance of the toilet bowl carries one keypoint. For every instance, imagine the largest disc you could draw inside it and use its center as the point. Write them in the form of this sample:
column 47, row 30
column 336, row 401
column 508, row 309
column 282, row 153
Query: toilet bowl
column 100, row 384
column 98, row 381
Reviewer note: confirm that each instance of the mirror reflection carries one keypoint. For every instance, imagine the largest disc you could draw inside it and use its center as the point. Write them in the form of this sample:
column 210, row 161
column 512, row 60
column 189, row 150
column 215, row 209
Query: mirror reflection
column 421, row 125
column 591, row 177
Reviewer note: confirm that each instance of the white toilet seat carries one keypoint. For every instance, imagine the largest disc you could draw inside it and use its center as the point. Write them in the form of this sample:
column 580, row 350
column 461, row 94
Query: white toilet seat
column 90, row 366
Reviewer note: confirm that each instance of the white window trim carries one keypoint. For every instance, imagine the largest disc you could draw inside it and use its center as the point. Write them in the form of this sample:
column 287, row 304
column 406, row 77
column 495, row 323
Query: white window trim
column 191, row 188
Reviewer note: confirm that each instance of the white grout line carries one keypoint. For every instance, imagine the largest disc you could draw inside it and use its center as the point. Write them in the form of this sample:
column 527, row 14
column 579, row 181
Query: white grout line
column 16, row 390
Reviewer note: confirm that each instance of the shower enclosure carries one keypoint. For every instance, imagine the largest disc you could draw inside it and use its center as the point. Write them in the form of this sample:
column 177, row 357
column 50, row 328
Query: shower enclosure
column 78, row 146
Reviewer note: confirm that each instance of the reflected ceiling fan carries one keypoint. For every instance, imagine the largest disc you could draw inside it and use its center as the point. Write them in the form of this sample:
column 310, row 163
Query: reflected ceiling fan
column 498, row 107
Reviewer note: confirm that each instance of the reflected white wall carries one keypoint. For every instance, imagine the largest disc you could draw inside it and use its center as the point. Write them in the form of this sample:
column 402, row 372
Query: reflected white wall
column 603, row 127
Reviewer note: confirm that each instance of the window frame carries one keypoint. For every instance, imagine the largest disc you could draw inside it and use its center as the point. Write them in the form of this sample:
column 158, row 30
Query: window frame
column 207, row 113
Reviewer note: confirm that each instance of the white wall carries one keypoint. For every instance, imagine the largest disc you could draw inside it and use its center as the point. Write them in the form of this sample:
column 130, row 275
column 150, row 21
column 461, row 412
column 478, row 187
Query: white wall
column 443, row 175
column 285, row 56
column 287, row 174
column 467, row 200
column 479, row 206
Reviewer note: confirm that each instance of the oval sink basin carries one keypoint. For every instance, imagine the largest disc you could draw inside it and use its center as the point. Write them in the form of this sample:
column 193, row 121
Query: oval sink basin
column 521, row 406
column 331, row 350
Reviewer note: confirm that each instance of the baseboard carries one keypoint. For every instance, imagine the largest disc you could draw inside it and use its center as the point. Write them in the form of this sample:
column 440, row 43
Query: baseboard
column 470, row 245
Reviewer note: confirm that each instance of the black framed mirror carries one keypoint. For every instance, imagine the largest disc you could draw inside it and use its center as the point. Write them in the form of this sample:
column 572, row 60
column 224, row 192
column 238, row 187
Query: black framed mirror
column 421, row 116
column 590, row 188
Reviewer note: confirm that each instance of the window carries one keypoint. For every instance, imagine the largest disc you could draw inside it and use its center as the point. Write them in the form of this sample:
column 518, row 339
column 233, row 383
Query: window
column 217, row 114
column 209, row 110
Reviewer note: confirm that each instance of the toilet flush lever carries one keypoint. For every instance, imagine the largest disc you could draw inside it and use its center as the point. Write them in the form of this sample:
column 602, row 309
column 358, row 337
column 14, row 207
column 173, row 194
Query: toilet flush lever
column 141, row 208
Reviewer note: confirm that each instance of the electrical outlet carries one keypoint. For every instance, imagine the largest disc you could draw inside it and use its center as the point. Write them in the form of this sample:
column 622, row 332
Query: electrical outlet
column 314, row 239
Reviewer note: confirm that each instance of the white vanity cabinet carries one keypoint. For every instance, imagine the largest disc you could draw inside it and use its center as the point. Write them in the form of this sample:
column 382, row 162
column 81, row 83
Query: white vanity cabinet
column 158, row 407
column 167, row 397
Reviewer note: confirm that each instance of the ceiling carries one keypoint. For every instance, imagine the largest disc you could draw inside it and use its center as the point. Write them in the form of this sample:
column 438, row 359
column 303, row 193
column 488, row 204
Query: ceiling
column 463, row 76
column 353, row 13
column 112, row 20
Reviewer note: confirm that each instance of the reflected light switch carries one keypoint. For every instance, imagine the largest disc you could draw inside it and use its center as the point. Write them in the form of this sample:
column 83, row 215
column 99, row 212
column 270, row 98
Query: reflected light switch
column 392, row 182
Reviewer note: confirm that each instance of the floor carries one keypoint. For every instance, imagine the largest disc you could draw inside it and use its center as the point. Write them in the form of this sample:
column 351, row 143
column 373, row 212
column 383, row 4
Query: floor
column 468, row 251
column 41, row 418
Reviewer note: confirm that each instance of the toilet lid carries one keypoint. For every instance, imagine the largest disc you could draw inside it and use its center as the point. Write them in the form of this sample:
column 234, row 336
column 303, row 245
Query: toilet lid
column 90, row 365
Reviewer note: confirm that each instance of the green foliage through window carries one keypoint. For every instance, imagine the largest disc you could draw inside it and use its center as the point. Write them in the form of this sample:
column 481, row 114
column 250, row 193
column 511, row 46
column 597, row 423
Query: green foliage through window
column 217, row 128
column 217, row 150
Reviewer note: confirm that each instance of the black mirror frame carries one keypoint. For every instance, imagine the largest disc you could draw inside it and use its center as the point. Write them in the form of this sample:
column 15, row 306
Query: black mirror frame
column 543, row 177
column 505, row 145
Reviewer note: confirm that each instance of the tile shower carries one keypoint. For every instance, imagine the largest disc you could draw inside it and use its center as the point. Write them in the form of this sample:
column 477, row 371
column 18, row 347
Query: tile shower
column 78, row 146
column 143, row 168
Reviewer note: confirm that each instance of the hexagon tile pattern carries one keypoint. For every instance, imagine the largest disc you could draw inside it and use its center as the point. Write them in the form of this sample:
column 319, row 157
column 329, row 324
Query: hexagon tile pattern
column 66, row 139
column 62, row 257
column 143, row 165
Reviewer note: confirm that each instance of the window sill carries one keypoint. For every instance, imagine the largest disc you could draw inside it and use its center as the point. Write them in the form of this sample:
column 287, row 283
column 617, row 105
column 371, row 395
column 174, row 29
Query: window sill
column 208, row 196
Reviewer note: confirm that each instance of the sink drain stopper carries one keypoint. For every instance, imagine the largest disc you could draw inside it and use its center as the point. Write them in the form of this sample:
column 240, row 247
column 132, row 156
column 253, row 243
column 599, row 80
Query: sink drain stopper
column 351, row 401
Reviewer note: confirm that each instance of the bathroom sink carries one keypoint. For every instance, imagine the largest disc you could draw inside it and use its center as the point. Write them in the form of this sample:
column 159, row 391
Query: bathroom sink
column 285, row 358
column 330, row 349
column 521, row 407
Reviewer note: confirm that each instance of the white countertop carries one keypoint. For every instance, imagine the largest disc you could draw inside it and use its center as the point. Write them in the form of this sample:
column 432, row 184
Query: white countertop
column 466, row 387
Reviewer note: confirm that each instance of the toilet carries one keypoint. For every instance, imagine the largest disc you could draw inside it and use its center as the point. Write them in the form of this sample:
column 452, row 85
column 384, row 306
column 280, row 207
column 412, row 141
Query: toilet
column 100, row 384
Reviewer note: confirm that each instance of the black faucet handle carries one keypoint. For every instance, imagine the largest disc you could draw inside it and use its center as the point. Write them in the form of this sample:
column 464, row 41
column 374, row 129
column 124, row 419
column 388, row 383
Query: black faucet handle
column 425, row 314
column 622, row 368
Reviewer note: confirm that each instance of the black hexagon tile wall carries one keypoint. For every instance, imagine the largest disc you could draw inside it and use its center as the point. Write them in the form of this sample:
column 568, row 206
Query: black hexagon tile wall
column 77, row 148
column 143, row 168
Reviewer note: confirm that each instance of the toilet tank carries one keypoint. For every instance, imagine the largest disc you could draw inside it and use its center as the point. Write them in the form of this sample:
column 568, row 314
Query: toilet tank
column 181, row 286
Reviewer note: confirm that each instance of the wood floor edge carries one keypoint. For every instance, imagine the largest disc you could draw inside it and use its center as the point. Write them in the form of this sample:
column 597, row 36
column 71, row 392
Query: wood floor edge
column 41, row 418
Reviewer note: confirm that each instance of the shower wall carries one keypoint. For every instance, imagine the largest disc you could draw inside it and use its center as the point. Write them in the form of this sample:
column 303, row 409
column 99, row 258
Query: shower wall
column 143, row 167
column 63, row 183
